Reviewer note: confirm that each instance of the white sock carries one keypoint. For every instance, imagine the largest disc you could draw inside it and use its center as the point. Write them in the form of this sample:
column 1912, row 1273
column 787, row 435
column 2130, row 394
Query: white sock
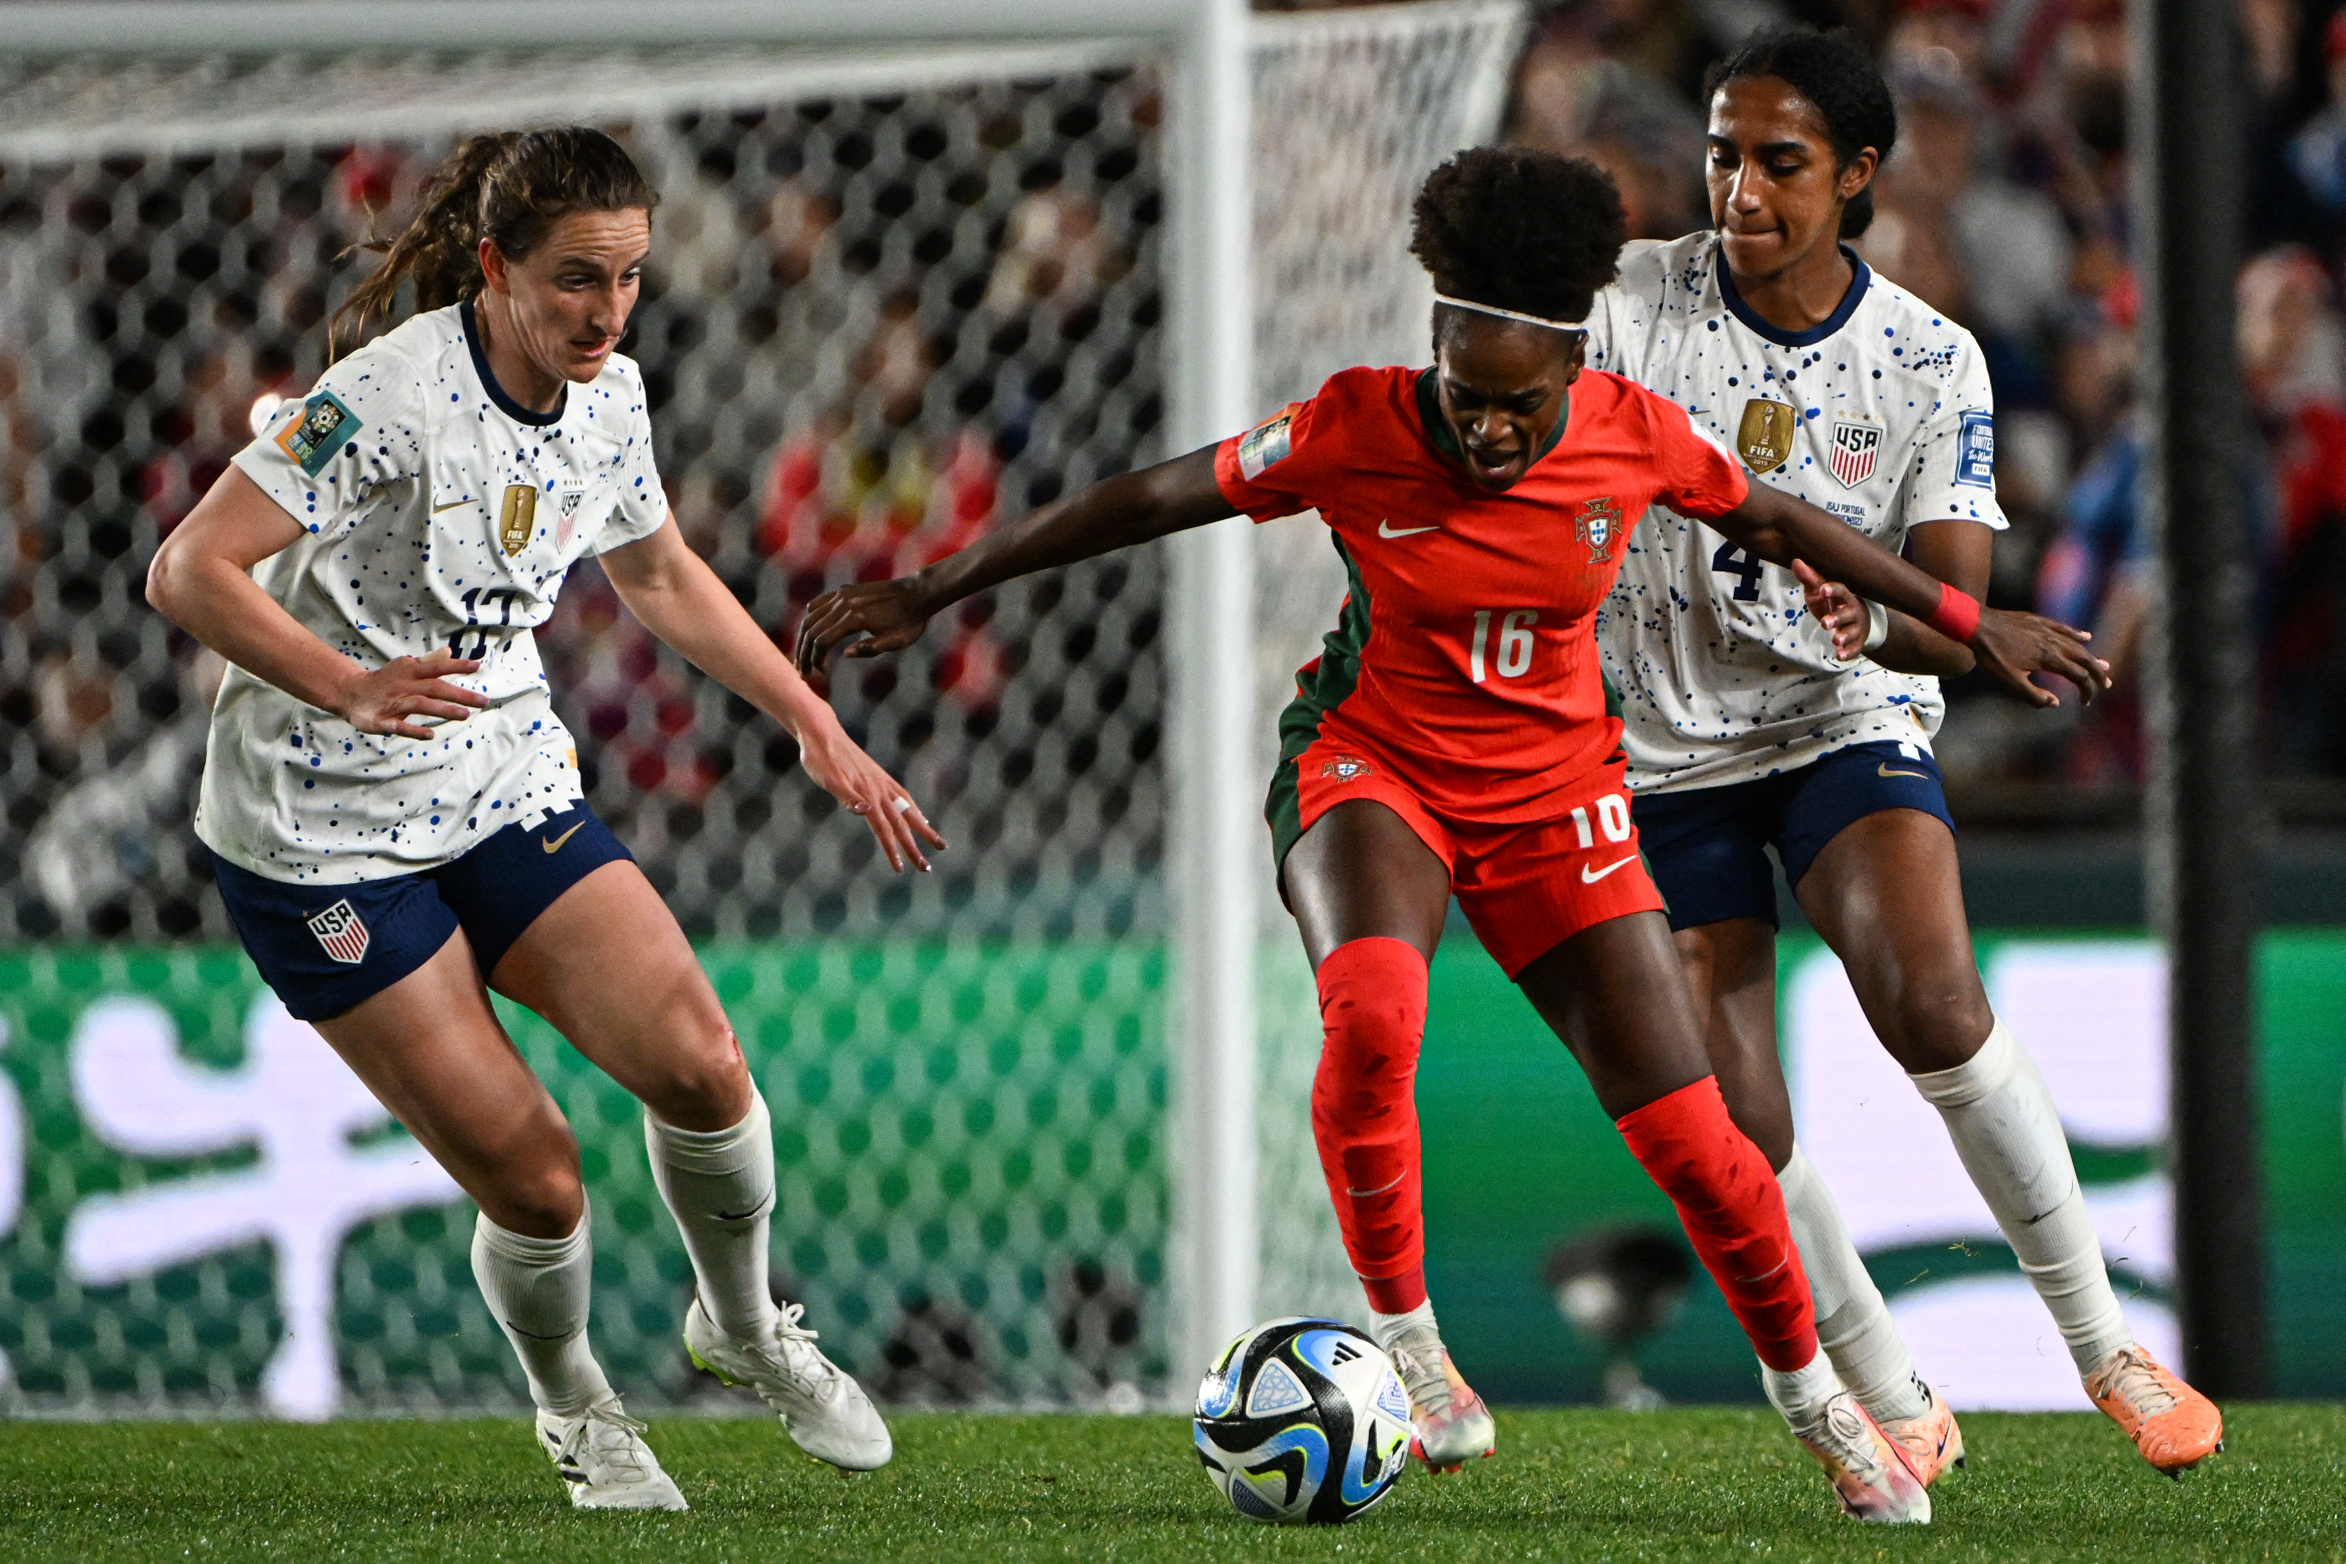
column 538, row 1289
column 1386, row 1328
column 719, row 1185
column 1853, row 1323
column 2001, row 1116
column 1802, row 1393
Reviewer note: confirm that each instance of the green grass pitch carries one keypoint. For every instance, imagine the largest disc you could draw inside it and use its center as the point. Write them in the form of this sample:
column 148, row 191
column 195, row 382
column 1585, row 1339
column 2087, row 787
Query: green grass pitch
column 1567, row 1485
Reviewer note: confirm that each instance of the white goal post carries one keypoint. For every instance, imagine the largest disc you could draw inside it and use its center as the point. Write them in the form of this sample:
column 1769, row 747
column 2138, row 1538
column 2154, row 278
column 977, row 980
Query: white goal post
column 1215, row 57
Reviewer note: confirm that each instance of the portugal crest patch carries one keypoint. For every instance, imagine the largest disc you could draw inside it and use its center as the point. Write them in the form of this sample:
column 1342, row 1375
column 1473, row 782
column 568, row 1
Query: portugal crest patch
column 1599, row 526
column 517, row 518
column 1765, row 435
column 340, row 929
column 1345, row 768
column 1855, row 445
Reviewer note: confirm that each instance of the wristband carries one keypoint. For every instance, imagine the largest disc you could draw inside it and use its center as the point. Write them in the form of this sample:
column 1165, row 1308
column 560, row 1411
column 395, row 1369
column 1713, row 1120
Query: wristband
column 1957, row 616
column 1877, row 625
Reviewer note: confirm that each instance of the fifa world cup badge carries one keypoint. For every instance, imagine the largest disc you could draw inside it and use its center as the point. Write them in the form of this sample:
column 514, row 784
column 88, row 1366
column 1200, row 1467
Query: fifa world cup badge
column 1345, row 768
column 518, row 517
column 1765, row 435
column 1599, row 526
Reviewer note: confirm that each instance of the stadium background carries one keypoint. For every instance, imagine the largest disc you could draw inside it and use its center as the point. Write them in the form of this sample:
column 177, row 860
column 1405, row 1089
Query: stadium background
column 894, row 299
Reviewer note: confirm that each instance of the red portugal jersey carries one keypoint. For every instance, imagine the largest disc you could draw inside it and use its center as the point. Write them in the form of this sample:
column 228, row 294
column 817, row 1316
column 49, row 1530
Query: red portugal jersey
column 1466, row 651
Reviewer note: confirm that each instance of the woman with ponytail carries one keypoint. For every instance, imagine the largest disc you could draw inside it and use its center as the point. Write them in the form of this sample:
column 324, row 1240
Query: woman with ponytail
column 394, row 810
column 1766, row 708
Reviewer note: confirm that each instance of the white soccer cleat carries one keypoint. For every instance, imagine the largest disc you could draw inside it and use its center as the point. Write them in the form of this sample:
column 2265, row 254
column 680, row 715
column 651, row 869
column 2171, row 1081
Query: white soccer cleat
column 824, row 1408
column 604, row 1461
column 1873, row 1478
column 1449, row 1424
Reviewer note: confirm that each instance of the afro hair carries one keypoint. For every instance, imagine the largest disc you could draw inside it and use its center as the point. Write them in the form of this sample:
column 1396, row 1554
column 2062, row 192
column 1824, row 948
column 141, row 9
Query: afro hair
column 1520, row 230
column 1837, row 74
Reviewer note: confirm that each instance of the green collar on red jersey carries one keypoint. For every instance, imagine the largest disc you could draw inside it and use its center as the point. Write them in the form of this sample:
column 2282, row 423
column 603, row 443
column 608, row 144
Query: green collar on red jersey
column 1444, row 439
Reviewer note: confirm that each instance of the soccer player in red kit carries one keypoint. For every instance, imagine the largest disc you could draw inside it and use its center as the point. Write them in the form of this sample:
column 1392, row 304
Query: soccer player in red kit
column 1456, row 737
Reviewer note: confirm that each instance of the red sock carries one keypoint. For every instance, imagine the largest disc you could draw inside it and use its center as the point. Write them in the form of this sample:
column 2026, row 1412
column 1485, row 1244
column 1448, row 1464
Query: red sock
column 1364, row 1113
column 1733, row 1211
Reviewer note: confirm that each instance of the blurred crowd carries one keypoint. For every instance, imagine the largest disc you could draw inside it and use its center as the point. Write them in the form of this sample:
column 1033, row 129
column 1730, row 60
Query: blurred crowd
column 2006, row 204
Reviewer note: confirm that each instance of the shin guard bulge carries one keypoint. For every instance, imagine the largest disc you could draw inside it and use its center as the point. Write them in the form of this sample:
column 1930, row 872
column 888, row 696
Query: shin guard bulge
column 538, row 1290
column 1733, row 1212
column 1364, row 1111
column 719, row 1185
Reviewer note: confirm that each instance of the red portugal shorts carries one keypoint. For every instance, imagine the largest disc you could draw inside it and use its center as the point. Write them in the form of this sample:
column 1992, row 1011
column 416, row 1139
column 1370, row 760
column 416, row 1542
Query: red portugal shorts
column 1525, row 888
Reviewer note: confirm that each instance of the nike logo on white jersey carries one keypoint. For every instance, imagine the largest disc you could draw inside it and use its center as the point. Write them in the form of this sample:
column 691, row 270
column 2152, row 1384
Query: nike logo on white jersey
column 1386, row 529
column 451, row 505
column 1590, row 876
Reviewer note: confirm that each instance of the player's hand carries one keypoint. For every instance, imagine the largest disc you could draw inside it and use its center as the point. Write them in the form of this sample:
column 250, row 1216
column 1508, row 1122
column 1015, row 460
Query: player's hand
column 405, row 687
column 2011, row 646
column 856, row 780
column 1841, row 611
column 885, row 613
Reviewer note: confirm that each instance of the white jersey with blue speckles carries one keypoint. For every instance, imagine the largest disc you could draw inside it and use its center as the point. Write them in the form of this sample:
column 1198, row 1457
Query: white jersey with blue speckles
column 1881, row 415
column 441, row 516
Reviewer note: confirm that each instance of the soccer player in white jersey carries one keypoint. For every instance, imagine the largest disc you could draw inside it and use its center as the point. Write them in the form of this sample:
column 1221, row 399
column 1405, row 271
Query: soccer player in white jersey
column 1747, row 726
column 394, row 810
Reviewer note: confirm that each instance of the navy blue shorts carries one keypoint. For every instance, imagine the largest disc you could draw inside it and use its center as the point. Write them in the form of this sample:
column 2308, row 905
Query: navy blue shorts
column 1707, row 846
column 324, row 948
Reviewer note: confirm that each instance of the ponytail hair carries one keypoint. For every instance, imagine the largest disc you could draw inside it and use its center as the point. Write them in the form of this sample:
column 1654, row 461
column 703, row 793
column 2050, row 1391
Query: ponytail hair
column 509, row 187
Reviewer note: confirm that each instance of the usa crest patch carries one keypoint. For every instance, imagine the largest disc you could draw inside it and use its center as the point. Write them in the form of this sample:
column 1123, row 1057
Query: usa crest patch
column 342, row 932
column 323, row 428
column 1599, row 526
column 1856, row 445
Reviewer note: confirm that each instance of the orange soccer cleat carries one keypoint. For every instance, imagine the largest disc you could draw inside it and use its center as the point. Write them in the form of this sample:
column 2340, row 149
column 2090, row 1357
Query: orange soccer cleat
column 1932, row 1442
column 1450, row 1424
column 1872, row 1475
column 2173, row 1425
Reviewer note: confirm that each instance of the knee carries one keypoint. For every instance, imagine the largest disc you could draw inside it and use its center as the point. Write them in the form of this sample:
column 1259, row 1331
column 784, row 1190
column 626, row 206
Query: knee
column 536, row 1188
column 1940, row 1023
column 704, row 1082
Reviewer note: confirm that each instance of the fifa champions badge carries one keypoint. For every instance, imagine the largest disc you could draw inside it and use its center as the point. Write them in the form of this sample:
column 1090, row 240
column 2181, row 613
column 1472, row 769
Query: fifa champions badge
column 1764, row 438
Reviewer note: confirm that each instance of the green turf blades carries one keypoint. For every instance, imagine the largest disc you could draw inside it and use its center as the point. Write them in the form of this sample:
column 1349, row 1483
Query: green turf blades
column 1677, row 1485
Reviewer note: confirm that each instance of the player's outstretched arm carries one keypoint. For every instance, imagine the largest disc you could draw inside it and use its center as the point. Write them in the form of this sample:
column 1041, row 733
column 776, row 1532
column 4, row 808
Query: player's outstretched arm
column 1960, row 553
column 872, row 617
column 680, row 600
column 2010, row 646
column 201, row 580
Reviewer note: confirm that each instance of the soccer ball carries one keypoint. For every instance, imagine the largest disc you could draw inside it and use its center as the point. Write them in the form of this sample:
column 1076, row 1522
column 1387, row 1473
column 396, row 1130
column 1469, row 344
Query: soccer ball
column 1303, row 1421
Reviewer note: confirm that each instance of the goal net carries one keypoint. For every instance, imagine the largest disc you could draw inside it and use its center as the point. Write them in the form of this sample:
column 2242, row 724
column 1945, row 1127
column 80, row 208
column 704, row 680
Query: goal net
column 897, row 295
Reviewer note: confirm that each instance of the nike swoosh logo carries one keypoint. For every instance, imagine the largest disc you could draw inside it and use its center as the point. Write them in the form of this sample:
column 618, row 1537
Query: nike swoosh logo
column 1590, row 876
column 451, row 505
column 1386, row 529
column 1887, row 772
column 555, row 845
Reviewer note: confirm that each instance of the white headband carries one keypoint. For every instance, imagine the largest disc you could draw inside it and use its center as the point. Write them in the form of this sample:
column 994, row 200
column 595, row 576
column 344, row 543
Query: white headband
column 1493, row 309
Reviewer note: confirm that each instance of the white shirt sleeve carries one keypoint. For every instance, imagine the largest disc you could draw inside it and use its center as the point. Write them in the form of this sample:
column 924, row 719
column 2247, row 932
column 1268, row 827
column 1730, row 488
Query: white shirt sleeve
column 1954, row 477
column 325, row 457
column 643, row 504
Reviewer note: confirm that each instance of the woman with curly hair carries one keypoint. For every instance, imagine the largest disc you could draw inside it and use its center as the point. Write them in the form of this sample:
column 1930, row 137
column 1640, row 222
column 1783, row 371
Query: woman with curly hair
column 1456, row 737
column 1763, row 710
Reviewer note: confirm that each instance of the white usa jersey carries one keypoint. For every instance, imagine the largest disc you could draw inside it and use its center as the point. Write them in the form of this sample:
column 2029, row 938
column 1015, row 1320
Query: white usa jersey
column 1881, row 415
column 440, row 516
